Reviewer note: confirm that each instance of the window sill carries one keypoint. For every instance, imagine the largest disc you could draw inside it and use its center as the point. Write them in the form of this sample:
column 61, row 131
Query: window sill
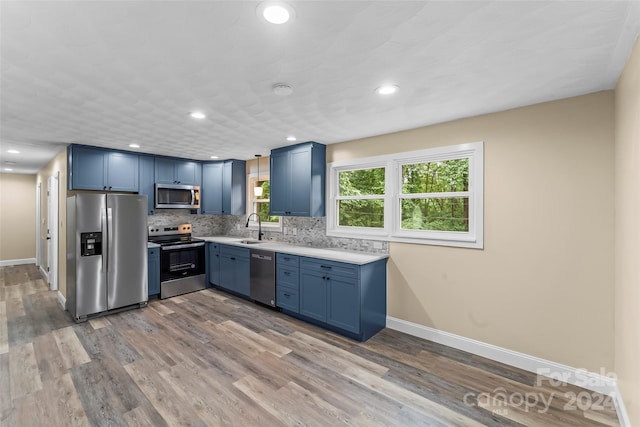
column 456, row 243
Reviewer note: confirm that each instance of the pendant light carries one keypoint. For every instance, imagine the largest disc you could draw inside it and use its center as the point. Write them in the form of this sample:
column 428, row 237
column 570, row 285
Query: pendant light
column 257, row 190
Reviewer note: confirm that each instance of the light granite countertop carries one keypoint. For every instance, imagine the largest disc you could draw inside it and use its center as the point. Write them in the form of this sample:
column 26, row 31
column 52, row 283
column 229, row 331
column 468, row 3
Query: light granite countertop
column 351, row 257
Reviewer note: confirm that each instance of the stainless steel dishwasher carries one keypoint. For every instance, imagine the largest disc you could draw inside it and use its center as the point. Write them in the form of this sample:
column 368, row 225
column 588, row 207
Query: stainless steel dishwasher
column 262, row 266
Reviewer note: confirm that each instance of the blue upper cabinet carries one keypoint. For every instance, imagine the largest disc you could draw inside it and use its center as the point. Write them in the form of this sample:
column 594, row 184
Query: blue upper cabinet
column 224, row 188
column 178, row 171
column 298, row 180
column 99, row 169
column 146, row 180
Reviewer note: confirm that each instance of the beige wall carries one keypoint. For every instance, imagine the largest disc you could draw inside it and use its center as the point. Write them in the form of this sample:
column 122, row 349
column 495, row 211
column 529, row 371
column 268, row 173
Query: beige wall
column 627, row 236
column 58, row 164
column 17, row 216
column 543, row 283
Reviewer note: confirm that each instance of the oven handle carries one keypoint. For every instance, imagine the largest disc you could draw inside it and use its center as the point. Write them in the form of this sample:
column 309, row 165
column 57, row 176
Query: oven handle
column 185, row 246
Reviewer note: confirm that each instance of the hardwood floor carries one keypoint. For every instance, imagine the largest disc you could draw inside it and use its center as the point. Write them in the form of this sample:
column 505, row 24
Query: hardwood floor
column 210, row 359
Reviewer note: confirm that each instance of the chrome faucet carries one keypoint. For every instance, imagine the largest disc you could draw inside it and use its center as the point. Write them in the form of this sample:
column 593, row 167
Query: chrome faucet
column 259, row 224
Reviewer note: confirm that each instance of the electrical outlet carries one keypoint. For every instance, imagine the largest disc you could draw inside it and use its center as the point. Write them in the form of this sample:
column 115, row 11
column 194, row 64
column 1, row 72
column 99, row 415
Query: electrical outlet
column 294, row 231
column 377, row 245
column 238, row 227
column 286, row 230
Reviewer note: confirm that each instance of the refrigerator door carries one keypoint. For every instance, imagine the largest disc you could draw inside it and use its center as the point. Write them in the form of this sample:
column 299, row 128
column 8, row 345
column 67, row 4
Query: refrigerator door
column 91, row 281
column 127, row 250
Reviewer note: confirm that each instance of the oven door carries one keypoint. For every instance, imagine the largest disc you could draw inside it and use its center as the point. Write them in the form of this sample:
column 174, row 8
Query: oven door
column 181, row 261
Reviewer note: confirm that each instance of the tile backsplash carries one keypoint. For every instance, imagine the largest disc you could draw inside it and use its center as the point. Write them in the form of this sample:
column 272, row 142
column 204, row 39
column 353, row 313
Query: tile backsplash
column 309, row 231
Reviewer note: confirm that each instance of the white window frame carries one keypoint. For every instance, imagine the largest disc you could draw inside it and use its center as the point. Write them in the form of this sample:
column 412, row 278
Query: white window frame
column 474, row 238
column 251, row 200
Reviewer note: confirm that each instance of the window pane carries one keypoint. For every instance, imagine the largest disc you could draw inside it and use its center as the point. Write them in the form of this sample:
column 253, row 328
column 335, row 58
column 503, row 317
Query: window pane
column 361, row 182
column 263, row 211
column 447, row 214
column 361, row 213
column 436, row 177
column 265, row 189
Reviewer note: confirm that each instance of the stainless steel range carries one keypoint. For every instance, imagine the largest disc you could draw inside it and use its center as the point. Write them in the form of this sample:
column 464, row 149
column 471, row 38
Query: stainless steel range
column 182, row 259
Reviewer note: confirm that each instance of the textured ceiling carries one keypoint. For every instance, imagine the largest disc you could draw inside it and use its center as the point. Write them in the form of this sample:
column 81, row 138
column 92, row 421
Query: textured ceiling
column 120, row 72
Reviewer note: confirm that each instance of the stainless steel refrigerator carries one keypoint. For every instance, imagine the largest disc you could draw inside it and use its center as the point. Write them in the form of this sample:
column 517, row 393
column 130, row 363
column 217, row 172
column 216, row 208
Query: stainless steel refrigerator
column 106, row 253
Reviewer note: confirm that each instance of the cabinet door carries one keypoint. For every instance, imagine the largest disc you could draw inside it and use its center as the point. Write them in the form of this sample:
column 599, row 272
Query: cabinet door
column 165, row 171
column 122, row 172
column 146, row 179
column 235, row 182
column 280, row 181
column 313, row 295
column 227, row 272
column 343, row 303
column 300, row 167
column 187, row 173
column 227, row 180
column 242, row 276
column 214, row 264
column 212, row 174
column 87, row 167
column 153, row 277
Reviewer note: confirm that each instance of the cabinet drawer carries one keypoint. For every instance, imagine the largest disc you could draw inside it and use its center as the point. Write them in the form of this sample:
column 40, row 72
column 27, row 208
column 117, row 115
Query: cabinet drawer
column 286, row 259
column 288, row 299
column 287, row 276
column 234, row 251
column 330, row 267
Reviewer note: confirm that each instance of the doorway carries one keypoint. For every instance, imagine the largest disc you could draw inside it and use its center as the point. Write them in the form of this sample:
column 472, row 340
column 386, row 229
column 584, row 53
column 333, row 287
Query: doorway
column 52, row 230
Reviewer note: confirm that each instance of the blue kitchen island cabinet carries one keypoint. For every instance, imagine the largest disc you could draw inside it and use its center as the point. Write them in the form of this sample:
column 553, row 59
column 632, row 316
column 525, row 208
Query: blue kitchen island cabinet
column 92, row 168
column 347, row 298
column 153, row 272
column 224, row 188
column 177, row 171
column 234, row 269
column 297, row 179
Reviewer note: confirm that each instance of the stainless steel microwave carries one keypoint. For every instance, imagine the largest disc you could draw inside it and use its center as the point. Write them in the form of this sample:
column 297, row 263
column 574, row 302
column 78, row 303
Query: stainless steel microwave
column 177, row 196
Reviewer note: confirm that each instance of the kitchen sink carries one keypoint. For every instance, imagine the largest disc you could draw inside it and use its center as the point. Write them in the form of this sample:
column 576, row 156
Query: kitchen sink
column 252, row 242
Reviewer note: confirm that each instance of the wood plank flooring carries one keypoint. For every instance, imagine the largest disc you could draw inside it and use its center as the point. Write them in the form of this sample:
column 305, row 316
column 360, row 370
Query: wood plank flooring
column 209, row 359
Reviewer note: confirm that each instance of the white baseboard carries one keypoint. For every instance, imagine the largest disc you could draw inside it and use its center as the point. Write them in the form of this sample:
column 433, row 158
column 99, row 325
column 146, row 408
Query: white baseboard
column 597, row 382
column 44, row 273
column 623, row 416
column 17, row 261
column 62, row 300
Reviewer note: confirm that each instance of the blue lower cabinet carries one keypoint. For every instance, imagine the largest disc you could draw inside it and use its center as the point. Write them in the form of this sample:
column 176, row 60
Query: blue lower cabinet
column 288, row 299
column 234, row 269
column 347, row 298
column 313, row 295
column 213, row 260
column 288, row 282
column 153, row 273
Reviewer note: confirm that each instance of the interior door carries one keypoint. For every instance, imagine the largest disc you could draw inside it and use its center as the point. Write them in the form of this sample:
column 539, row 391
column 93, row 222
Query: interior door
column 52, row 230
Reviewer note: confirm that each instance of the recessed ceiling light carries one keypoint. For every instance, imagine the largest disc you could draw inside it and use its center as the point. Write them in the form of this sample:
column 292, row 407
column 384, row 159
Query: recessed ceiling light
column 215, row 157
column 13, row 151
column 134, row 146
column 387, row 89
column 275, row 12
column 197, row 115
column 282, row 89
column 291, row 138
